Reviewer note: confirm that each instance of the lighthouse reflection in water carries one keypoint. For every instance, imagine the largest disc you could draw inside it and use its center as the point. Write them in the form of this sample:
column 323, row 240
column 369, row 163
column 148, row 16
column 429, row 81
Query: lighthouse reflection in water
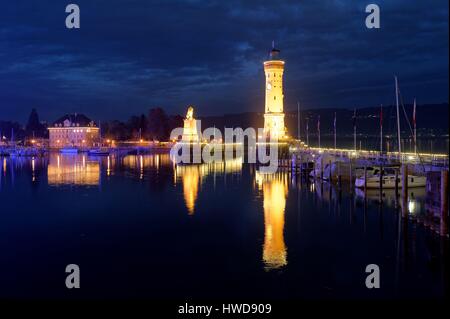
column 275, row 190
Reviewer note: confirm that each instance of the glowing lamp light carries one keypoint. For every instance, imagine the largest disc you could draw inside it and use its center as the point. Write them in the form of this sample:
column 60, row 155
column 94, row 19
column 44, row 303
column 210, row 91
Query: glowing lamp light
column 412, row 207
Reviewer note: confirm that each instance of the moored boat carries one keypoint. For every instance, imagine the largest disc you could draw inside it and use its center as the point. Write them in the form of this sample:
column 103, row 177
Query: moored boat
column 22, row 152
column 385, row 177
column 69, row 150
column 372, row 179
column 99, row 152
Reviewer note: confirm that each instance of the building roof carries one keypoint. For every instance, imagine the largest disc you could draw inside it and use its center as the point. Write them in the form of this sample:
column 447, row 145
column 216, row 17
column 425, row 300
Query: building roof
column 74, row 120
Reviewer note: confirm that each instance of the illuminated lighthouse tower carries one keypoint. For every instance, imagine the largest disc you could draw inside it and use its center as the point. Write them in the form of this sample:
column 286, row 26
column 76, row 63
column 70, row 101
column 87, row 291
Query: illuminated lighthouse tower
column 274, row 116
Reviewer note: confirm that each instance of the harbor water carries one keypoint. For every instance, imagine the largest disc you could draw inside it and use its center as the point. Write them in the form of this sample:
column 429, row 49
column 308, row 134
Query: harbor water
column 140, row 226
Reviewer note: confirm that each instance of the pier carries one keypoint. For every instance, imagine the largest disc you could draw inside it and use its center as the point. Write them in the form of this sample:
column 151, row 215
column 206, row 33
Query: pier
column 337, row 167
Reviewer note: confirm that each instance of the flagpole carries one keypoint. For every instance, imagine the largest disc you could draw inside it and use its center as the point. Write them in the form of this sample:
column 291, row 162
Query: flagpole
column 415, row 127
column 298, row 120
column 354, row 130
column 335, row 131
column 318, row 129
column 307, row 131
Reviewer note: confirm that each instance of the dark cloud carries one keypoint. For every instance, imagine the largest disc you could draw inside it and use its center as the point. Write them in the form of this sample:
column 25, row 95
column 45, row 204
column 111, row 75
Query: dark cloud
column 131, row 55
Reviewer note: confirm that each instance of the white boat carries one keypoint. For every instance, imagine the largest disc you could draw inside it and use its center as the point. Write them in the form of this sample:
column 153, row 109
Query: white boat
column 99, row 152
column 388, row 179
column 373, row 178
column 339, row 166
column 69, row 150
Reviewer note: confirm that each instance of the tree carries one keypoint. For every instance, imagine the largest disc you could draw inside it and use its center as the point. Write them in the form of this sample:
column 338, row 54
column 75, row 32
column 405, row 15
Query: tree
column 175, row 121
column 34, row 127
column 143, row 125
column 133, row 126
column 158, row 124
column 9, row 129
column 116, row 130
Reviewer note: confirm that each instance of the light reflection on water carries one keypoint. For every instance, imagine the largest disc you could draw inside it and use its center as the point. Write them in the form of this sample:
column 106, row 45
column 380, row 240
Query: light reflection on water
column 274, row 202
column 72, row 170
column 275, row 190
column 191, row 177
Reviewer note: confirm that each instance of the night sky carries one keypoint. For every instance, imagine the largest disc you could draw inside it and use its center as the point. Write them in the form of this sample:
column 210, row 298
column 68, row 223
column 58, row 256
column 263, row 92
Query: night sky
column 129, row 56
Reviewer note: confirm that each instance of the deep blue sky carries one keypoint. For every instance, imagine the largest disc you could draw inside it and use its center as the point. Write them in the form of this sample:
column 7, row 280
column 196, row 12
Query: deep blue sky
column 129, row 56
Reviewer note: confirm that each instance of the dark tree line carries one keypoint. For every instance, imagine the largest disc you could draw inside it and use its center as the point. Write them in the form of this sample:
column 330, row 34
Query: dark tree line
column 157, row 125
column 34, row 128
column 9, row 129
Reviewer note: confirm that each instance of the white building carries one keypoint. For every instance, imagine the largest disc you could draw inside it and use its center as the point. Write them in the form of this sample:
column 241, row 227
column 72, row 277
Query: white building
column 75, row 130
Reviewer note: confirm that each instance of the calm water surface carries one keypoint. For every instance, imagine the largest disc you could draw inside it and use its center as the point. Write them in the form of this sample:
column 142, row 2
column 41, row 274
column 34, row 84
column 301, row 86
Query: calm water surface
column 140, row 227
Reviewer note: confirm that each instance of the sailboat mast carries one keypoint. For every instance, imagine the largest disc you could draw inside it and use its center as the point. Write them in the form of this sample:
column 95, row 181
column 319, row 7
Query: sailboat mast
column 398, row 119
column 381, row 129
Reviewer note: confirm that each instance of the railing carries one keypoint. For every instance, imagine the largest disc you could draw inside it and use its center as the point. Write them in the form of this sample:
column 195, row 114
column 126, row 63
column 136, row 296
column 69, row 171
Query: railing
column 440, row 160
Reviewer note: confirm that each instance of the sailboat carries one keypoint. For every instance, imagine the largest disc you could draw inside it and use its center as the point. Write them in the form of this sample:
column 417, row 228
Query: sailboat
column 387, row 175
column 388, row 178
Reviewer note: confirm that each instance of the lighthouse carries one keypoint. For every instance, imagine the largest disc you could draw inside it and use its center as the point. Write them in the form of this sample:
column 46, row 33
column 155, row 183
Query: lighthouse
column 274, row 115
